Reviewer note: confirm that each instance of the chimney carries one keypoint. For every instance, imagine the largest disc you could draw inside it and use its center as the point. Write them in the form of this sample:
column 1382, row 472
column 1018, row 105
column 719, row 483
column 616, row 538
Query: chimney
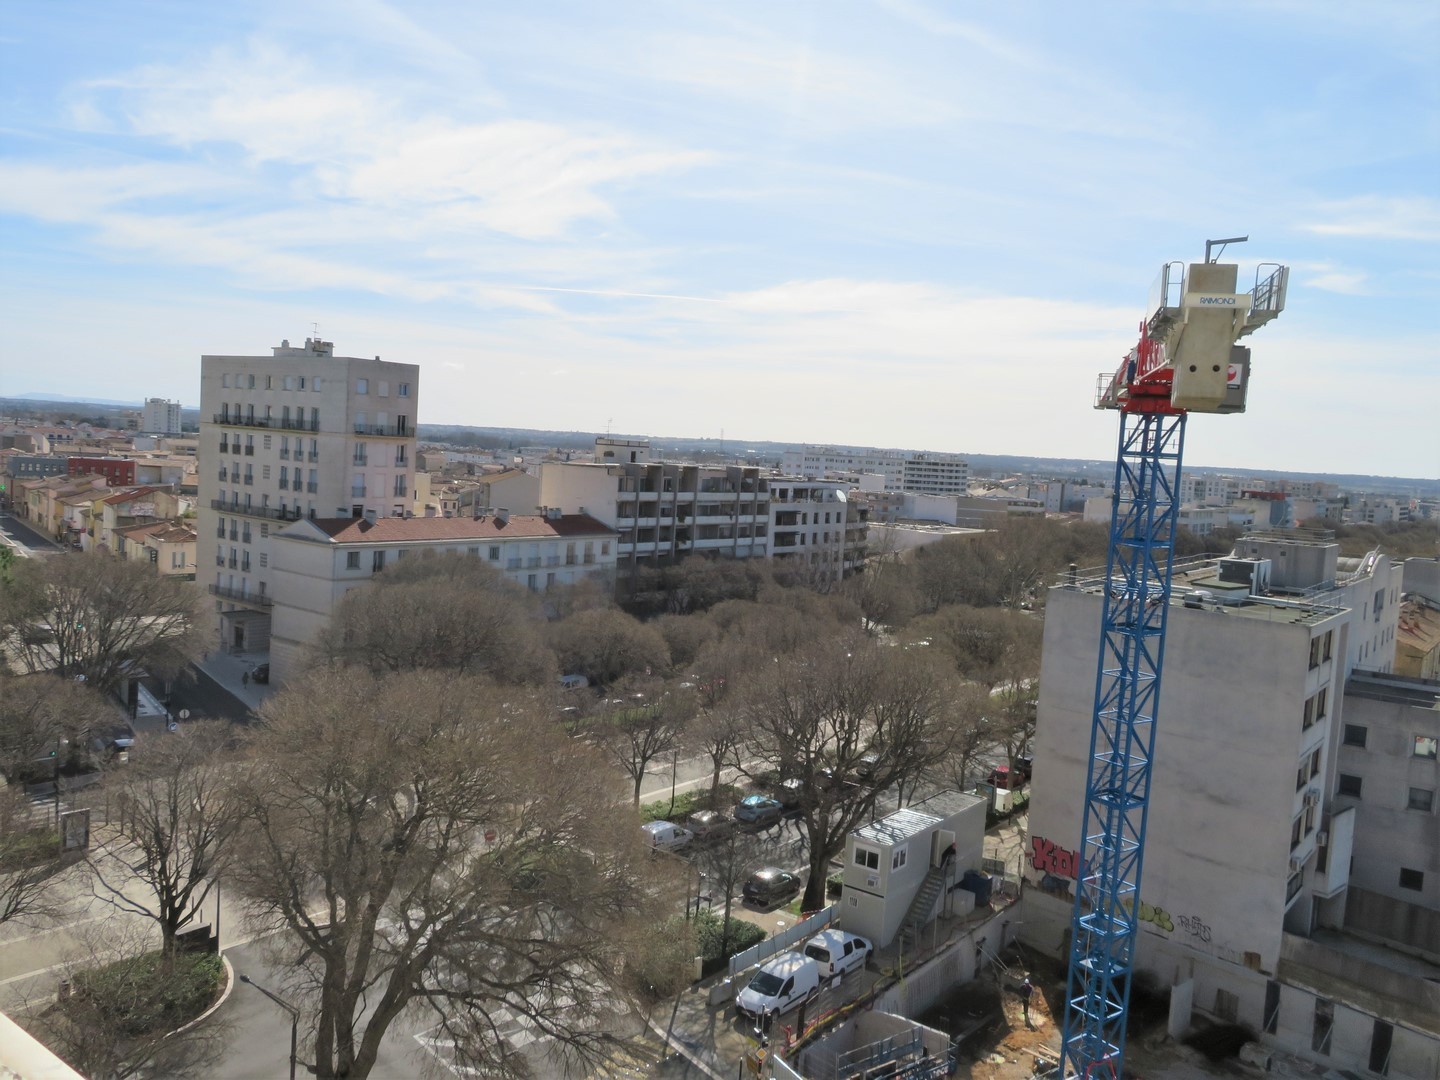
column 553, row 513
column 429, row 510
column 502, row 515
column 369, row 517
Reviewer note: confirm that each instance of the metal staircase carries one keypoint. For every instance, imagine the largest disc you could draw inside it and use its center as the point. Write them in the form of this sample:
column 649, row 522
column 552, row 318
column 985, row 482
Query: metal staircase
column 922, row 907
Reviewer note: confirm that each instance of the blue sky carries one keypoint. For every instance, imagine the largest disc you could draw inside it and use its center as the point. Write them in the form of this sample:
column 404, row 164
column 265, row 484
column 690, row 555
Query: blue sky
column 892, row 223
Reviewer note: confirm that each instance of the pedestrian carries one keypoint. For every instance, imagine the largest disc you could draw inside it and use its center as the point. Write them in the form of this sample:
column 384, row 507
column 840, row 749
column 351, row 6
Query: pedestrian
column 245, row 678
column 1026, row 989
column 947, row 858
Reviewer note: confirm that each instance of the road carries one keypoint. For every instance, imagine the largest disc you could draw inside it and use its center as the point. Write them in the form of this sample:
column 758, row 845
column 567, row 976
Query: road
column 26, row 541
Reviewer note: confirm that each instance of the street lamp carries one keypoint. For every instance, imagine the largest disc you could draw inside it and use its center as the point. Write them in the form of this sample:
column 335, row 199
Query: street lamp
column 294, row 1017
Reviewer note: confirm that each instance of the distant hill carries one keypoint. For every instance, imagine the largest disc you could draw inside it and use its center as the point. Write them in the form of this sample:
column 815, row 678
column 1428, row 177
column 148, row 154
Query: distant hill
column 69, row 400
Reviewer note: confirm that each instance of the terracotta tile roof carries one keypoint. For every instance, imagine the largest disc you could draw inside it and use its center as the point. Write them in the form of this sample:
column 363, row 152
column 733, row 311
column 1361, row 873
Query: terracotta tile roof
column 396, row 530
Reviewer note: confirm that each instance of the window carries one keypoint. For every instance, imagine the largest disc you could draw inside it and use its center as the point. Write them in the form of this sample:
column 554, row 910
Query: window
column 264, row 559
column 867, row 858
column 899, row 857
column 362, row 386
column 1355, row 734
column 1421, row 799
column 377, row 561
column 1426, row 746
column 1315, row 764
column 1349, row 785
column 302, row 382
column 400, row 484
column 1382, row 1034
column 1295, row 834
column 1272, row 1007
column 352, row 560
column 1329, row 641
column 403, row 389
column 494, row 552
column 1411, row 879
column 382, row 388
column 265, row 530
column 225, row 381
column 266, row 444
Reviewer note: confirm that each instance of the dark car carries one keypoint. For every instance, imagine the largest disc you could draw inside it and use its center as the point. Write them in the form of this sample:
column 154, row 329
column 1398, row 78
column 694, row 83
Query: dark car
column 758, row 810
column 260, row 673
column 769, row 885
column 1026, row 765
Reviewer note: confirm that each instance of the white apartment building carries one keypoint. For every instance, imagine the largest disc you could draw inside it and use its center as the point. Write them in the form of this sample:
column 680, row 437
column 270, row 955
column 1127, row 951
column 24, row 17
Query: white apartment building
column 301, row 433
column 903, row 470
column 317, row 561
column 1206, row 490
column 665, row 511
column 160, row 417
column 1256, row 900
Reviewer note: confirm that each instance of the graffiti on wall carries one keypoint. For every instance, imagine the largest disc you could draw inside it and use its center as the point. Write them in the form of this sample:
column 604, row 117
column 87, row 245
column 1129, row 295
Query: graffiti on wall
column 1050, row 858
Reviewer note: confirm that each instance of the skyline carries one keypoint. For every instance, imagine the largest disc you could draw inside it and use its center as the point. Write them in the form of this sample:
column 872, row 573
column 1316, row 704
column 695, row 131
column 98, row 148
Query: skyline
column 884, row 227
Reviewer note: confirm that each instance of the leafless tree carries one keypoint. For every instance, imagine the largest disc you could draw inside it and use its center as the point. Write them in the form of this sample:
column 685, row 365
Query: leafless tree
column 429, row 841
column 846, row 718
column 638, row 726
column 969, row 735
column 607, row 645
column 440, row 612
column 179, row 815
column 724, row 865
column 40, row 712
column 98, row 617
column 29, row 861
column 885, row 595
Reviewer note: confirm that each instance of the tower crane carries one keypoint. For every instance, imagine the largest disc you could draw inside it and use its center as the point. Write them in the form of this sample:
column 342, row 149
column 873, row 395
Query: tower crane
column 1186, row 360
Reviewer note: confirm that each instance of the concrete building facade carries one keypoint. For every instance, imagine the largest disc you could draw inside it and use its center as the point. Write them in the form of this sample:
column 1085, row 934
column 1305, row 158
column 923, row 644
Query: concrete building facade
column 301, row 433
column 317, row 561
column 903, row 470
column 1248, row 892
column 160, row 417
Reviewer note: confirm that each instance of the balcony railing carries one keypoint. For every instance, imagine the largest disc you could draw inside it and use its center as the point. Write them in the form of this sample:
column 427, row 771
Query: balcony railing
column 314, row 455
column 357, row 492
column 241, row 596
column 399, row 431
column 284, row 454
column 311, row 486
column 272, row 513
column 281, row 424
column 359, row 459
column 249, row 450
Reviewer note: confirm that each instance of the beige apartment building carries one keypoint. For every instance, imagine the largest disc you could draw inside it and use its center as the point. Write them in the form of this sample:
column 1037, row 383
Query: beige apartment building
column 301, row 433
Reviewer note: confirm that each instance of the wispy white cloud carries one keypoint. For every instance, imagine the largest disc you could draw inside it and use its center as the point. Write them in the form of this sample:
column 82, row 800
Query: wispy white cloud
column 1378, row 217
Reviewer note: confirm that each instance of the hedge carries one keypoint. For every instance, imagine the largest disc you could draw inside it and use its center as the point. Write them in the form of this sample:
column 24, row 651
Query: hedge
column 148, row 997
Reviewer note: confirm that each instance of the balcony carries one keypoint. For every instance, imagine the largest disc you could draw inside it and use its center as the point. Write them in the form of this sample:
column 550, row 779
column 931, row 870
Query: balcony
column 240, row 596
column 357, row 492
column 249, row 479
column 314, row 455
column 271, row 513
column 395, row 431
column 359, row 461
column 312, row 487
column 284, row 454
column 249, row 450
column 220, row 531
column 224, row 476
column 282, row 424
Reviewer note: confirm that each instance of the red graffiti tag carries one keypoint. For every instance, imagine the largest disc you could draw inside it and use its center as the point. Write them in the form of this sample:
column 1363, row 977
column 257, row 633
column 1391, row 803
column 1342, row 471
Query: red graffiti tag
column 1050, row 858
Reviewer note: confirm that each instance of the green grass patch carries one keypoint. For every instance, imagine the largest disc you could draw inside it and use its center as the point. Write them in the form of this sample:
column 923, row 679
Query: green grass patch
column 714, row 950
column 687, row 803
column 22, row 850
column 146, row 995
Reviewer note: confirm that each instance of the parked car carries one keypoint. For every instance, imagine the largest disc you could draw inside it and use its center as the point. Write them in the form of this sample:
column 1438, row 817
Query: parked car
column 573, row 682
column 667, row 836
column 838, row 952
column 781, row 983
column 758, row 810
column 769, row 885
column 710, row 825
column 1026, row 765
column 1002, row 776
column 260, row 673
column 789, row 793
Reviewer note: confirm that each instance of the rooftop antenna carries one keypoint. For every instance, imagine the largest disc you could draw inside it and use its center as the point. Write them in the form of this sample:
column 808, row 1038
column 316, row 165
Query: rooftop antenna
column 1222, row 244
column 608, row 424
column 315, row 326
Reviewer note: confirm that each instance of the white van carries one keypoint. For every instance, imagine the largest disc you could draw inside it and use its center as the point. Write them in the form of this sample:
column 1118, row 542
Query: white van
column 837, row 952
column 667, row 836
column 781, row 983
column 573, row 682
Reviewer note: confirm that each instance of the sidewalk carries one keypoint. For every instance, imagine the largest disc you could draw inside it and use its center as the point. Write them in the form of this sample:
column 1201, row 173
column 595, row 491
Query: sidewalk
column 227, row 669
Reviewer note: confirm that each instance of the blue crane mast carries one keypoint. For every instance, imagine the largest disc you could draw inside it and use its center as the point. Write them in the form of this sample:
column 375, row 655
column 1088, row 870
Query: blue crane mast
column 1186, row 360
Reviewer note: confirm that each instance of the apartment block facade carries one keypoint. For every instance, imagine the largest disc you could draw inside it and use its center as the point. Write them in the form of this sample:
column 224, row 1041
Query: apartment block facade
column 903, row 470
column 160, row 417
column 301, row 433
column 317, row 561
column 1253, row 900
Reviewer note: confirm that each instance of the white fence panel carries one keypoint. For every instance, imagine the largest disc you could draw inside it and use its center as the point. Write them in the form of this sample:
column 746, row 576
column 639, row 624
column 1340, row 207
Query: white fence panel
column 783, row 940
